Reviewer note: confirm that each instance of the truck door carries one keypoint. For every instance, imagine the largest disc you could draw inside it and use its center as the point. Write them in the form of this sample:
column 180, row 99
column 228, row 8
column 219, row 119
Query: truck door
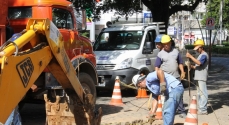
column 151, row 58
column 63, row 20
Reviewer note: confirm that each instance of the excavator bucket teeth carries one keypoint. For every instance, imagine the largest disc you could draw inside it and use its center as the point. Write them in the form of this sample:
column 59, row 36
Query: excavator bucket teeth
column 72, row 111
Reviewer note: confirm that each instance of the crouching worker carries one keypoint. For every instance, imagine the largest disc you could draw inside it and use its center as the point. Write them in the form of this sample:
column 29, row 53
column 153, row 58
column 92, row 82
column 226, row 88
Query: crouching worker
column 158, row 83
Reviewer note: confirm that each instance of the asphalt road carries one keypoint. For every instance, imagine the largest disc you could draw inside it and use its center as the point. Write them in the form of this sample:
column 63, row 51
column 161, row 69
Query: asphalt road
column 134, row 109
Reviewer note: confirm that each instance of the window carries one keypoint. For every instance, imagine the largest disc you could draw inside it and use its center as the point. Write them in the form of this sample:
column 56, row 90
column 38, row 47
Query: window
column 198, row 15
column 62, row 18
column 151, row 36
column 118, row 40
column 20, row 12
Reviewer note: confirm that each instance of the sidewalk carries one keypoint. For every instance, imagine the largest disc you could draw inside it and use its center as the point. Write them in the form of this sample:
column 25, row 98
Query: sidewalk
column 136, row 109
column 217, row 101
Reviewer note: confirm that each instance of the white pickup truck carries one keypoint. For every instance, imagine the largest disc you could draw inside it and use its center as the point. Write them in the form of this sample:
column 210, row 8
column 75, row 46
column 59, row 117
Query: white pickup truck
column 124, row 50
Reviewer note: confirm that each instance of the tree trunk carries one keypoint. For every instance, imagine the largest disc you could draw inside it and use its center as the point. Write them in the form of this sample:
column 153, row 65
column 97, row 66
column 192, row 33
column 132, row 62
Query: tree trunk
column 159, row 10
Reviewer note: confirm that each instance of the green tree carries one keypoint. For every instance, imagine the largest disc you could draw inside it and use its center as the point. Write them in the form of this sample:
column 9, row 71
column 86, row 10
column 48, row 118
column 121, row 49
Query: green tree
column 161, row 9
column 213, row 11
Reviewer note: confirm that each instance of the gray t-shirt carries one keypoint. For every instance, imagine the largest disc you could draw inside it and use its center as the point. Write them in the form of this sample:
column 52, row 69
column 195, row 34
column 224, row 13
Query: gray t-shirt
column 169, row 61
column 201, row 71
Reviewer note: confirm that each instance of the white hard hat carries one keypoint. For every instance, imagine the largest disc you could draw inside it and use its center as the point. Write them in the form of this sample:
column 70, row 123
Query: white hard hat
column 138, row 78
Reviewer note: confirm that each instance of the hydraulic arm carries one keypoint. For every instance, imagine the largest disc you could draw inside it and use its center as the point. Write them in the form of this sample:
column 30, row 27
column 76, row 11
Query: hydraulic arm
column 20, row 69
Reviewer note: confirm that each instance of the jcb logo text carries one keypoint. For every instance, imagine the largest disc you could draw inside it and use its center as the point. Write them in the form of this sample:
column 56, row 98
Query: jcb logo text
column 25, row 70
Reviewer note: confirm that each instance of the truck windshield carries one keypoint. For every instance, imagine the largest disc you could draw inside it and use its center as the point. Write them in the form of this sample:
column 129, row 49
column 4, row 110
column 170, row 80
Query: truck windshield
column 118, row 40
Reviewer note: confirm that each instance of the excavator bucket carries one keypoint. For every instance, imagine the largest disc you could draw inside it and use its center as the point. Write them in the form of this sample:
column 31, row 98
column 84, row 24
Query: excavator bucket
column 73, row 113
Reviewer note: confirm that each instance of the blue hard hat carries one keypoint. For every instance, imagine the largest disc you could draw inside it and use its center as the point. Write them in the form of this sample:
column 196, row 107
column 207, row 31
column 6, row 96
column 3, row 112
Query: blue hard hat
column 158, row 38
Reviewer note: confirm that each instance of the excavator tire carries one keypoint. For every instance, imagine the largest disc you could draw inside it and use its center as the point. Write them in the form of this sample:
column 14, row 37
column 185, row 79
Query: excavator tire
column 88, row 84
column 81, row 114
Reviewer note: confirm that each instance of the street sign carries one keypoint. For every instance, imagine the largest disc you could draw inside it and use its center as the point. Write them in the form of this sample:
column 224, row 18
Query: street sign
column 147, row 16
column 210, row 23
column 175, row 30
column 171, row 30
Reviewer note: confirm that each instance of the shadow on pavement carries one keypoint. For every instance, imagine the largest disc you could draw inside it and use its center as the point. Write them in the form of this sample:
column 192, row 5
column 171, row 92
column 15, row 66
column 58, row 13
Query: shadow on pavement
column 33, row 114
column 108, row 93
column 109, row 109
column 218, row 90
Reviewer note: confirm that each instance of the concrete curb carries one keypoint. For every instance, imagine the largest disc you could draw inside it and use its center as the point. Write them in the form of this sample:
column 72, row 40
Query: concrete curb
column 219, row 55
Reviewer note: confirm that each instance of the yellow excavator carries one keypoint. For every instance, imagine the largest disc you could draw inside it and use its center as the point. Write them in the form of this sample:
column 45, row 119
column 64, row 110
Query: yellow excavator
column 20, row 69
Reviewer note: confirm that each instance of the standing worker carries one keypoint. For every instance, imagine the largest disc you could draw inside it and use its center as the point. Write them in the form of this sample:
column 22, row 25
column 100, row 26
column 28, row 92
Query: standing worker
column 159, row 46
column 159, row 82
column 15, row 117
column 201, row 74
column 169, row 60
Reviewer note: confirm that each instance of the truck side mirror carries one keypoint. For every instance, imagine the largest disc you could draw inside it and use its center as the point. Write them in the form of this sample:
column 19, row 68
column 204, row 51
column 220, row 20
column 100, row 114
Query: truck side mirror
column 148, row 48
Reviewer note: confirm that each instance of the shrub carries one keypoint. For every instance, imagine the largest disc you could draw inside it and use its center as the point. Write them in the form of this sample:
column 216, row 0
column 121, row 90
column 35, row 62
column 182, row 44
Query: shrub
column 220, row 50
column 214, row 49
column 225, row 43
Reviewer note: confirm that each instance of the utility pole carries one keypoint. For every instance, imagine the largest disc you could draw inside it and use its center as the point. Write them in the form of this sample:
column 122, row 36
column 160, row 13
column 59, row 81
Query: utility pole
column 210, row 44
column 197, row 18
column 182, row 28
column 220, row 21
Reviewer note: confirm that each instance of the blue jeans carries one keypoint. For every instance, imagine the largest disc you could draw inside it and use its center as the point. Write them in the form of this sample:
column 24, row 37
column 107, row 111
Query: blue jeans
column 202, row 96
column 14, row 118
column 181, row 108
column 171, row 103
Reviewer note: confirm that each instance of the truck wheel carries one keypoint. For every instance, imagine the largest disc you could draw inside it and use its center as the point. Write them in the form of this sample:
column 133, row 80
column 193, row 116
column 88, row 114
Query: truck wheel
column 88, row 84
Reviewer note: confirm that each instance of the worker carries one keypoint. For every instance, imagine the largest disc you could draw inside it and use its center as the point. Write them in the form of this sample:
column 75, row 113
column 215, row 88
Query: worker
column 160, row 47
column 170, row 61
column 158, row 42
column 201, row 74
column 14, row 118
column 159, row 82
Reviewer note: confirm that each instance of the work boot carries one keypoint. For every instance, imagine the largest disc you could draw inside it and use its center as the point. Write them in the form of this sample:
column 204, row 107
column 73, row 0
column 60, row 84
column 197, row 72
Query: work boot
column 202, row 113
column 182, row 115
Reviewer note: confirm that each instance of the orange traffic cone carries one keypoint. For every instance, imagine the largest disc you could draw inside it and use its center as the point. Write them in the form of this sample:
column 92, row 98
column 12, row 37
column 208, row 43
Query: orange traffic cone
column 192, row 118
column 142, row 93
column 139, row 93
column 116, row 96
column 159, row 109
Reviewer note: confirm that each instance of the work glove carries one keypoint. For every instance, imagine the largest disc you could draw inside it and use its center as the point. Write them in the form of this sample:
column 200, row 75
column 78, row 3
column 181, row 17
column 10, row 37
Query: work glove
column 182, row 76
column 162, row 87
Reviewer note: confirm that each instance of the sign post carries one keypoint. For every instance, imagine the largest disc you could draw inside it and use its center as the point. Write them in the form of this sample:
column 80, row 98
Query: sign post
column 210, row 25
